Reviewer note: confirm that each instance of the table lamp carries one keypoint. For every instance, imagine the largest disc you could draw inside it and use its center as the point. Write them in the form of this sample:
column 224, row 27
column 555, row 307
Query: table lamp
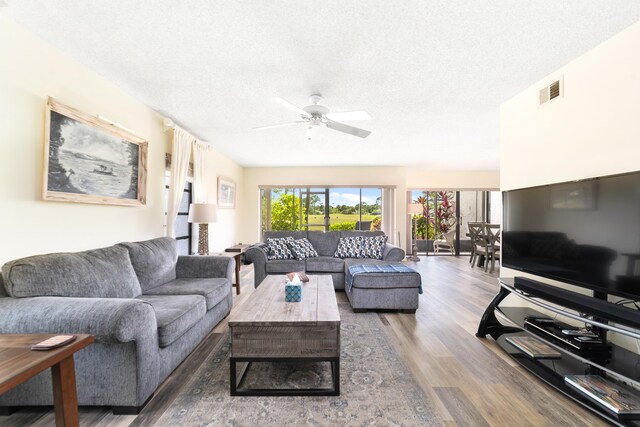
column 414, row 209
column 203, row 214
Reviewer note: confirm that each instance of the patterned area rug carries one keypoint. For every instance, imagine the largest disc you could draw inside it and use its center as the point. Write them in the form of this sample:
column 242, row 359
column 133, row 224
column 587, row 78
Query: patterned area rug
column 376, row 388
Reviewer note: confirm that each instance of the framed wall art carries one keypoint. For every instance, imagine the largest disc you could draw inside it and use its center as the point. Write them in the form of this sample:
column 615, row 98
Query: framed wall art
column 226, row 193
column 88, row 161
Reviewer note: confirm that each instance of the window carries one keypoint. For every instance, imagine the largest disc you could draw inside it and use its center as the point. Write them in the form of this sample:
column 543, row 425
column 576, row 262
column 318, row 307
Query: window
column 445, row 210
column 320, row 208
column 182, row 227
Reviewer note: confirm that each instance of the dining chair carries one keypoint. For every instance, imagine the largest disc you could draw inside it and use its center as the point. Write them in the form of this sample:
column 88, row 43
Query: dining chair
column 492, row 237
column 475, row 233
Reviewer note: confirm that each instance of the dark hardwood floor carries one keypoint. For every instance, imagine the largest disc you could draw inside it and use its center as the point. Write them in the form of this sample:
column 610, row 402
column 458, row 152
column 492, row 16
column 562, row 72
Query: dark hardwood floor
column 471, row 380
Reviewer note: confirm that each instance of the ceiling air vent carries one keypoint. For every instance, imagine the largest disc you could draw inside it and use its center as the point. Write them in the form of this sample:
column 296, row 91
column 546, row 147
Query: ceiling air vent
column 554, row 90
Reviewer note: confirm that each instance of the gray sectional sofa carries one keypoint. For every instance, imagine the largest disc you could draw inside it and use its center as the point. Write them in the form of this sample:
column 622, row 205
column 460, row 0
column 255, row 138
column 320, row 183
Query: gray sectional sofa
column 325, row 244
column 147, row 307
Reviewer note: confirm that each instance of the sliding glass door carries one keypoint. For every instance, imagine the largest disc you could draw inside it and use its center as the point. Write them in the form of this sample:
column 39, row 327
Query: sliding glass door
column 446, row 214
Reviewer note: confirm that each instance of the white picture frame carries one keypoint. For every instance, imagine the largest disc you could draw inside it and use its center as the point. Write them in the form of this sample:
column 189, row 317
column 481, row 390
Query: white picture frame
column 226, row 193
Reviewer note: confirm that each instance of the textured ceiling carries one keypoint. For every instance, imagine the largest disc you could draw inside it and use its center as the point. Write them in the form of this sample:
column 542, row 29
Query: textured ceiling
column 432, row 74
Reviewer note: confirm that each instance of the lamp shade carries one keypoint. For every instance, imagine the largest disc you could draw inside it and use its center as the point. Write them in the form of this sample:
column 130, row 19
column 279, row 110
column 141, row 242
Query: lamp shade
column 203, row 213
column 414, row 208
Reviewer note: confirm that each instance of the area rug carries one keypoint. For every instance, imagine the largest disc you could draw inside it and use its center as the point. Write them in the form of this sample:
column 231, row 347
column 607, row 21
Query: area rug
column 376, row 387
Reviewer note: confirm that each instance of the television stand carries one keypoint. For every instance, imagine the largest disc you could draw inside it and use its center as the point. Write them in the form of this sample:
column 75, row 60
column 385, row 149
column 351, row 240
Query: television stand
column 610, row 361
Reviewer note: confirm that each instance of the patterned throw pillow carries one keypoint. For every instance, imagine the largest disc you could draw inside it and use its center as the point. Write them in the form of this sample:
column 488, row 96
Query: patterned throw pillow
column 349, row 247
column 278, row 248
column 302, row 249
column 373, row 247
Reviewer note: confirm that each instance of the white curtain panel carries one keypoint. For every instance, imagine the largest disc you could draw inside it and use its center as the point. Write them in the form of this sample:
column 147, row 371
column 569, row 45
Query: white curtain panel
column 200, row 150
column 182, row 142
column 389, row 214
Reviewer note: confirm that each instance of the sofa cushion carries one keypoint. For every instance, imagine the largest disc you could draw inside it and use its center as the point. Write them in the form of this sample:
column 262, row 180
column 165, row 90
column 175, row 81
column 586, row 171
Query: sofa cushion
column 284, row 266
column 281, row 234
column 349, row 247
column 325, row 243
column 325, row 264
column 153, row 260
column 97, row 273
column 302, row 248
column 373, row 247
column 175, row 314
column 279, row 248
column 213, row 290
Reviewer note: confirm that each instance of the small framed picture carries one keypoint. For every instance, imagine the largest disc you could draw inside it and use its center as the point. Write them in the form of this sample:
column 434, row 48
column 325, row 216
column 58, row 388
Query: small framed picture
column 88, row 161
column 226, row 193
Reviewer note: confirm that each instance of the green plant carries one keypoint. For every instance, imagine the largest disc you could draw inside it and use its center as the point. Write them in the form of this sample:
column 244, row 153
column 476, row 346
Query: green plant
column 376, row 224
column 284, row 212
column 343, row 226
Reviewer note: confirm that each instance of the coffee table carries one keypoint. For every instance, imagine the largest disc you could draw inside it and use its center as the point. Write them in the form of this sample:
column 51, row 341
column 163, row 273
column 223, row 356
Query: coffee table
column 18, row 363
column 268, row 329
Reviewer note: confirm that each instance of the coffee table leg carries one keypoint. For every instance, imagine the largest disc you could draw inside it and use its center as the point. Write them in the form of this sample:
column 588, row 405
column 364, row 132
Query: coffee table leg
column 65, row 397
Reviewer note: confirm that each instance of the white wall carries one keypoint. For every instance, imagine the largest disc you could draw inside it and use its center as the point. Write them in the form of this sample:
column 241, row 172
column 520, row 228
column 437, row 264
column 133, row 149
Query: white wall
column 593, row 130
column 31, row 71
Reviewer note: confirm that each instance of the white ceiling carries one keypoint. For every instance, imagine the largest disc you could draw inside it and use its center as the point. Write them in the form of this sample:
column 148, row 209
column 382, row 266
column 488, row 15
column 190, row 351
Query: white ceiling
column 431, row 73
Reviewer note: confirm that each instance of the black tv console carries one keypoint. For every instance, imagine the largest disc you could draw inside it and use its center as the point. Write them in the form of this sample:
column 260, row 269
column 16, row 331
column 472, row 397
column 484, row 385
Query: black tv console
column 593, row 356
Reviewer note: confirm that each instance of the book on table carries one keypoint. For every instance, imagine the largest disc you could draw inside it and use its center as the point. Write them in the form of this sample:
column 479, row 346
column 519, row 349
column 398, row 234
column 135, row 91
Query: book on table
column 534, row 348
column 619, row 399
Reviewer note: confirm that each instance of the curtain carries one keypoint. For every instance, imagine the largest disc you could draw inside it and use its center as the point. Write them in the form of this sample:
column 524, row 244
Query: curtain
column 389, row 214
column 200, row 150
column 181, row 151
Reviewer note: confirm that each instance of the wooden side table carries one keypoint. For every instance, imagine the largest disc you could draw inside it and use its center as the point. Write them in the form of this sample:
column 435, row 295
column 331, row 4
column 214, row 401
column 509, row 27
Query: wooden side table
column 18, row 363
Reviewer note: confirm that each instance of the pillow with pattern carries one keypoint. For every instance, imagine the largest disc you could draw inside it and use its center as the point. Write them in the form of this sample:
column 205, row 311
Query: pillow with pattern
column 278, row 248
column 302, row 248
column 373, row 247
column 349, row 247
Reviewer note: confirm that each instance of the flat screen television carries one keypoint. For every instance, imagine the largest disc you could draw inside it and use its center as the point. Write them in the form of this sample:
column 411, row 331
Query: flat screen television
column 585, row 233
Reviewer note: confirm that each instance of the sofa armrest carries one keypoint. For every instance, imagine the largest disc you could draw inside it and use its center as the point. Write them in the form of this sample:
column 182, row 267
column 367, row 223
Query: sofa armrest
column 393, row 253
column 257, row 255
column 110, row 320
column 204, row 267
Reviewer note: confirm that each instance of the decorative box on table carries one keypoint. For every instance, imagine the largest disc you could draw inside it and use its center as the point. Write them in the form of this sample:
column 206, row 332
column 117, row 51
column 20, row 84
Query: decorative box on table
column 293, row 289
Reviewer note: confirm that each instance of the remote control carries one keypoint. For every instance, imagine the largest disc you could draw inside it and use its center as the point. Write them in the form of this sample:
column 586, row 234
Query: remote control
column 53, row 342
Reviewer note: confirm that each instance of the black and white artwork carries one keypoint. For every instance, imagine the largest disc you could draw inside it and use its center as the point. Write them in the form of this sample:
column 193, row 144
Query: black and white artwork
column 88, row 163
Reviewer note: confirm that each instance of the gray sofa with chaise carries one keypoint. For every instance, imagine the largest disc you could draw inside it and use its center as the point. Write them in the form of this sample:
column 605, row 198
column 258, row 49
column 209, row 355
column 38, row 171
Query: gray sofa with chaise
column 147, row 307
column 325, row 244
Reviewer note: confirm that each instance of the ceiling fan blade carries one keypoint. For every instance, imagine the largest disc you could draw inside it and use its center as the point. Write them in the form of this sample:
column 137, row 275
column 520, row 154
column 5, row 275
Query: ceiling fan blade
column 292, row 107
column 280, row 125
column 349, row 115
column 341, row 127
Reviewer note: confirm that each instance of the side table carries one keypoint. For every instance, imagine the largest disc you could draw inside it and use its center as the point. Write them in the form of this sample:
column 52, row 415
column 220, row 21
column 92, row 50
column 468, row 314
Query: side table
column 18, row 363
column 237, row 251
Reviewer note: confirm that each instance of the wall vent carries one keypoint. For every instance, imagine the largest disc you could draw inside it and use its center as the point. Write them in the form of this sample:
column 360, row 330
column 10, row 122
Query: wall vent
column 554, row 90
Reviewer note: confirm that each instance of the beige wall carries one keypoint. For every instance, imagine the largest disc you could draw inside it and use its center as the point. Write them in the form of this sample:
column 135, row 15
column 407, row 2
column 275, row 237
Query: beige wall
column 31, row 71
column 418, row 179
column 593, row 130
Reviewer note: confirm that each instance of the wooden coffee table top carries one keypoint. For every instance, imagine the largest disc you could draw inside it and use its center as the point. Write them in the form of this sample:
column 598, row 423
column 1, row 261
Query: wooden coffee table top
column 19, row 363
column 266, row 305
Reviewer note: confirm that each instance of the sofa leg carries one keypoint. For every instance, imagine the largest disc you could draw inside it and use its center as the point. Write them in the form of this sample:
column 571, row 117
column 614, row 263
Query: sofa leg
column 412, row 311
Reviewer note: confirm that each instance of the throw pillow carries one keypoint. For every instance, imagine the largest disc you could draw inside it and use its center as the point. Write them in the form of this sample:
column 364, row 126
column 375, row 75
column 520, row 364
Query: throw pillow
column 349, row 247
column 278, row 248
column 373, row 247
column 302, row 249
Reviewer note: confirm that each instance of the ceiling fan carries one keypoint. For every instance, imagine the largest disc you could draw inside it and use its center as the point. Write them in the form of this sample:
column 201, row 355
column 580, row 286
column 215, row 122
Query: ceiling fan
column 316, row 115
